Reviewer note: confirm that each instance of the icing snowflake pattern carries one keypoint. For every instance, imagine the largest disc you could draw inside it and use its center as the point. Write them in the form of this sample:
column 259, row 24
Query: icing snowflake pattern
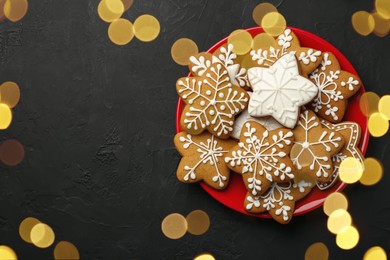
column 279, row 91
column 261, row 157
column 320, row 148
column 213, row 101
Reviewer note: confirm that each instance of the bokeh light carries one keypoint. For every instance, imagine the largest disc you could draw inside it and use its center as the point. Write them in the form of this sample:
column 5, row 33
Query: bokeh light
column 363, row 23
column 375, row 253
column 5, row 116
column 25, row 228
column 384, row 106
column 114, row 6
column 347, row 238
column 42, row 235
column 338, row 221
column 383, row 8
column 382, row 25
column 15, row 10
column 373, row 172
column 378, row 125
column 174, row 226
column 262, row 41
column 350, row 170
column 261, row 10
column 121, row 31
column 9, row 94
column 146, row 28
column 369, row 103
column 273, row 23
column 182, row 50
column 335, row 201
column 66, row 250
column 11, row 152
column 127, row 4
column 198, row 222
column 6, row 253
column 241, row 40
column 205, row 256
column 317, row 251
column 106, row 14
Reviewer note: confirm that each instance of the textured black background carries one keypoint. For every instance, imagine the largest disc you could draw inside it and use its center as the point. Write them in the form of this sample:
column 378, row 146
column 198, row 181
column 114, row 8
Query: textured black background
column 97, row 121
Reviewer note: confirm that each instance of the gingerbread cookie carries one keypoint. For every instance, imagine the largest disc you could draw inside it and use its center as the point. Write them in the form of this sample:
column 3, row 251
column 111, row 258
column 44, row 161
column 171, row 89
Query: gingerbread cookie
column 288, row 42
column 203, row 159
column 351, row 133
column 212, row 101
column 261, row 157
column 279, row 91
column 279, row 200
column 224, row 55
column 268, row 122
column 335, row 86
column 314, row 147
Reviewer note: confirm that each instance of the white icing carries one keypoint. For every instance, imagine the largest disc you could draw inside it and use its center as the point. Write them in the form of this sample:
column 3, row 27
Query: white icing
column 309, row 56
column 209, row 153
column 279, row 91
column 221, row 110
column 260, row 156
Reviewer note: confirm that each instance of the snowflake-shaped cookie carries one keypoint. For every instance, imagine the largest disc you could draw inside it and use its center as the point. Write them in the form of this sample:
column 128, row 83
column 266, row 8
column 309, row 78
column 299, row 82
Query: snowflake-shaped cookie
column 351, row 133
column 279, row 91
column 224, row 55
column 335, row 86
column 287, row 42
column 261, row 157
column 212, row 101
column 314, row 147
column 203, row 159
column 279, row 200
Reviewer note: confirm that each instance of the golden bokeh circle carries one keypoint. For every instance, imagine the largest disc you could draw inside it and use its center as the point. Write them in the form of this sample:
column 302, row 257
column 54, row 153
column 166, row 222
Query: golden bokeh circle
column 42, row 235
column 11, row 152
column 317, row 251
column 383, row 8
column 378, row 125
column 146, row 28
column 6, row 253
column 198, row 222
column 9, row 94
column 2, row 15
column 15, row 10
column 363, row 23
column 106, row 14
column 369, row 103
column 348, row 238
column 338, row 221
column 375, row 253
column 174, row 226
column 241, row 41
column 350, row 170
column 335, row 201
column 5, row 116
column 121, row 31
column 382, row 25
column 262, row 41
column 127, row 4
column 114, row 6
column 384, row 106
column 25, row 228
column 66, row 250
column 261, row 10
column 373, row 172
column 205, row 256
column 273, row 23
column 182, row 50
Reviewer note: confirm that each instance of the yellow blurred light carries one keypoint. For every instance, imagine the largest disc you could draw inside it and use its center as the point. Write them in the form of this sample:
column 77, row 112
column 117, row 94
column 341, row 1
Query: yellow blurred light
column 121, row 31
column 350, row 170
column 5, row 116
column 363, row 23
column 174, row 226
column 347, row 238
column 25, row 228
column 262, row 41
column 261, row 10
column 182, row 50
column 339, row 220
column 369, row 103
column 383, row 8
column 206, row 256
column 146, row 28
column 15, row 10
column 106, row 14
column 198, row 222
column 274, row 23
column 9, row 94
column 114, row 6
column 241, row 41
column 317, row 251
column 378, row 125
column 6, row 253
column 42, row 235
column 373, row 172
column 384, row 106
column 335, row 201
column 66, row 250
column 375, row 253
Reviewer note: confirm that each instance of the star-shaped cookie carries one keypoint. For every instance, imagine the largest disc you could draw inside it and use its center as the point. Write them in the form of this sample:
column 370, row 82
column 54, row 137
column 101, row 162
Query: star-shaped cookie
column 212, row 101
column 203, row 159
column 335, row 86
column 279, row 200
column 351, row 133
column 261, row 157
column 279, row 91
column 288, row 42
column 314, row 147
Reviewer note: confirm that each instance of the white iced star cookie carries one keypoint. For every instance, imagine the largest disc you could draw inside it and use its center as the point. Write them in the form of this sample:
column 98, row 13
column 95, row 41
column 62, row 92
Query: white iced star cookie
column 279, row 91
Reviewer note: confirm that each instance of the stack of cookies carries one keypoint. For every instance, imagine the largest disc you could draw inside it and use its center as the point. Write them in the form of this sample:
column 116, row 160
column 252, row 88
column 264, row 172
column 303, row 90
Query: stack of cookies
column 277, row 122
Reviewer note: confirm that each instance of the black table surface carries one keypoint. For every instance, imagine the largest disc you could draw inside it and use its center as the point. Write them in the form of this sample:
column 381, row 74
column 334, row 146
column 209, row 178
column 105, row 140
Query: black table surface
column 97, row 121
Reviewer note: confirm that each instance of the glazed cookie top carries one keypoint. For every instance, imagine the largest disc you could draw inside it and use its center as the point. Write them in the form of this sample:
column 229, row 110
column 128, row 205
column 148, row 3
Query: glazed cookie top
column 212, row 101
column 279, row 91
column 335, row 86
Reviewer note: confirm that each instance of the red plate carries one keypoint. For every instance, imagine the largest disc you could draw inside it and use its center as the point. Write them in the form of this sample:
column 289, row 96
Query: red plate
column 234, row 195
